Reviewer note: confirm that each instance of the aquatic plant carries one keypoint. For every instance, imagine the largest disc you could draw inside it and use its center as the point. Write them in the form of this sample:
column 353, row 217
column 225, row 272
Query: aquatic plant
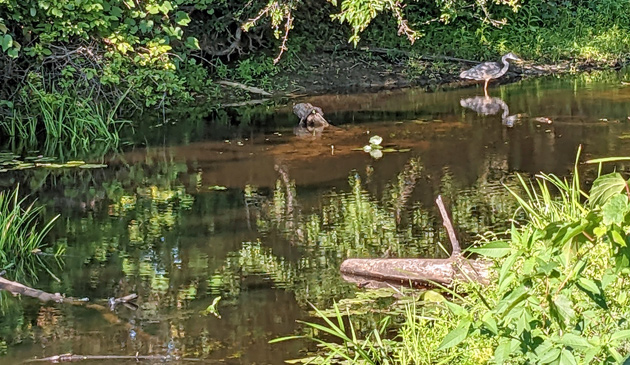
column 21, row 236
column 62, row 118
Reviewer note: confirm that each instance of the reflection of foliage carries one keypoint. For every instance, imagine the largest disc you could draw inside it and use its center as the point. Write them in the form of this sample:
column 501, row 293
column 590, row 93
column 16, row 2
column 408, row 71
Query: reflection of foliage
column 13, row 326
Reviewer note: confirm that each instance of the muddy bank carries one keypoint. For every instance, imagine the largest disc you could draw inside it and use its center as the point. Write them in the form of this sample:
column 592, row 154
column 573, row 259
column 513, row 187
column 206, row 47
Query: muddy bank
column 360, row 70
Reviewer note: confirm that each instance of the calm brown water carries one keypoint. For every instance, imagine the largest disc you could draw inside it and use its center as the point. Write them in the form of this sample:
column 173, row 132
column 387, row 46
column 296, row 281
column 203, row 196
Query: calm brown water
column 291, row 209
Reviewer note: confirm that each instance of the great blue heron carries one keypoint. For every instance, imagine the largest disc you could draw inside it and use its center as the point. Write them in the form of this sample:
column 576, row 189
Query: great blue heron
column 487, row 71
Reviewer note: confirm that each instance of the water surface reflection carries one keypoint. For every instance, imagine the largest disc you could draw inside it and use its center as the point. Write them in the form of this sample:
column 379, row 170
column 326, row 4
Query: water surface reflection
column 156, row 222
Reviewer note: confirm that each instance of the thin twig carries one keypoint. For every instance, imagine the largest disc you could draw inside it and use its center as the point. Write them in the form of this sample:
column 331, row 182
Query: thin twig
column 457, row 249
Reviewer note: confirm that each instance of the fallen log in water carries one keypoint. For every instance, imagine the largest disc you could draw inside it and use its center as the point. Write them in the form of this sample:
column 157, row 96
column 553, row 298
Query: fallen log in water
column 17, row 288
column 419, row 272
column 415, row 272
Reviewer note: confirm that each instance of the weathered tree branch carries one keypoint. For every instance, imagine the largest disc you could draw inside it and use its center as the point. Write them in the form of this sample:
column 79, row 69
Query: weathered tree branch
column 251, row 89
column 419, row 272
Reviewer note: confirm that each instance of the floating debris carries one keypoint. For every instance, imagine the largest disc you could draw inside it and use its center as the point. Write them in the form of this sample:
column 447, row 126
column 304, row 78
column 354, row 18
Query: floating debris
column 12, row 162
column 217, row 188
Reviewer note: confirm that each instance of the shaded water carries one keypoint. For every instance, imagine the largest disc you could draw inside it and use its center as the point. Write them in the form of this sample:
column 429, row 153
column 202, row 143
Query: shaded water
column 158, row 223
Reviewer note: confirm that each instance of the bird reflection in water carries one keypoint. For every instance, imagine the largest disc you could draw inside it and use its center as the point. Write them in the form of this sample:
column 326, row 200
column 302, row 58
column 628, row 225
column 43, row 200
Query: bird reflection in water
column 485, row 105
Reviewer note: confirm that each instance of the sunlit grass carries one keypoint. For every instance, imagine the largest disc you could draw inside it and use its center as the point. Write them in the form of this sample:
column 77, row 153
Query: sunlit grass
column 64, row 118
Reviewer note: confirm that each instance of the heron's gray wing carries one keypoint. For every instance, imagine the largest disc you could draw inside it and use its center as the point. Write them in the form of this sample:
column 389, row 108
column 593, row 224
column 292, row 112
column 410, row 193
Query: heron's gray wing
column 482, row 71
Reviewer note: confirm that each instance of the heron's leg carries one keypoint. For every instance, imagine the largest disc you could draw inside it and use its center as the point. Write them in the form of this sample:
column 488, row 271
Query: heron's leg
column 485, row 87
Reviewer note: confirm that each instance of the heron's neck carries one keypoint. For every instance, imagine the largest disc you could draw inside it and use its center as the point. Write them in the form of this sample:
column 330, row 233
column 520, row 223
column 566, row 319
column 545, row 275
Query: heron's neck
column 506, row 65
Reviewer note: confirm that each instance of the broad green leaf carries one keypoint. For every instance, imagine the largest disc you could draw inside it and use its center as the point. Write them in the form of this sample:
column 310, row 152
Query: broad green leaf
column 621, row 335
column 490, row 323
column 573, row 340
column 503, row 351
column 182, row 18
column 456, row 336
column 153, row 8
column 561, row 309
column 615, row 209
column 588, row 285
column 590, row 354
column 507, row 266
column 617, row 238
column 493, row 249
column 456, row 309
column 192, row 43
column 510, row 301
column 550, row 356
column 6, row 42
column 605, row 187
column 505, row 283
column 433, row 296
column 567, row 358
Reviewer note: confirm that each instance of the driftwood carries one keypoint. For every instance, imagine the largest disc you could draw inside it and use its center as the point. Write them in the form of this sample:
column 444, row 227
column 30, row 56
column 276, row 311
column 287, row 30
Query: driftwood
column 311, row 117
column 251, row 89
column 17, row 288
column 72, row 357
column 418, row 272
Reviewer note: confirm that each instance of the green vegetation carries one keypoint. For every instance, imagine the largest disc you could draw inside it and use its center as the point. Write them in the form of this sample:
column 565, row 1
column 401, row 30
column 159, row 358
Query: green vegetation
column 21, row 237
column 91, row 63
column 559, row 297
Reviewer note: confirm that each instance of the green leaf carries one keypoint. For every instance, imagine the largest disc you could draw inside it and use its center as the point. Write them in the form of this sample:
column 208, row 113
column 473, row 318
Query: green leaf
column 433, row 296
column 567, row 358
column 621, row 335
column 561, row 309
column 6, row 42
column 510, row 301
column 456, row 309
column 495, row 249
column 615, row 209
column 217, row 188
column 605, row 187
column 456, row 336
column 617, row 238
column 153, row 9
column 507, row 266
column 503, row 351
column 588, row 285
column 490, row 323
column 116, row 12
column 549, row 356
column 573, row 340
column 182, row 18
column 192, row 43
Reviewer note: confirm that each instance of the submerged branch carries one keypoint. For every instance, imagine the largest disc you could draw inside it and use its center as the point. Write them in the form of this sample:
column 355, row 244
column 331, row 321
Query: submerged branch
column 73, row 357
